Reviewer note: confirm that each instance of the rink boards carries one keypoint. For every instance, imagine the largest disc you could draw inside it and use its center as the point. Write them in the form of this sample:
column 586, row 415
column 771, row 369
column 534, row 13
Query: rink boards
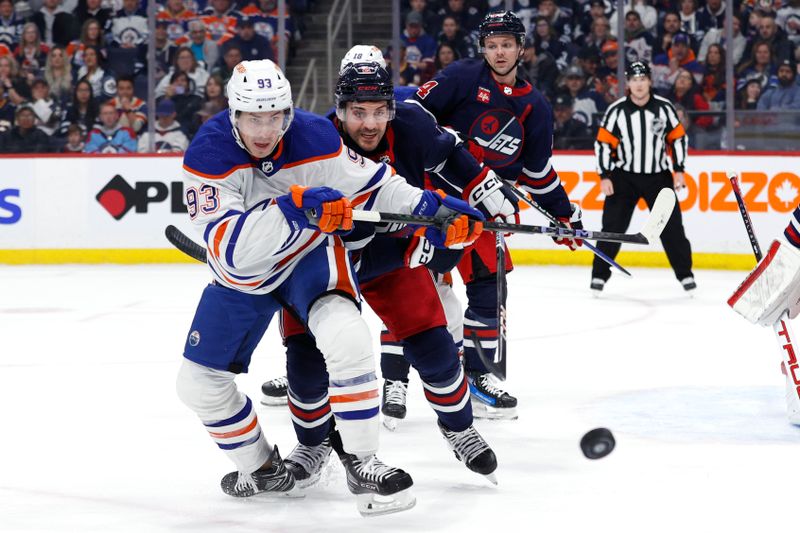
column 113, row 209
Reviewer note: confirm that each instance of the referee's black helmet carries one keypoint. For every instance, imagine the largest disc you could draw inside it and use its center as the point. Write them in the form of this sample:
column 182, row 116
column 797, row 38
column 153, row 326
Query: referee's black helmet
column 638, row 68
column 501, row 23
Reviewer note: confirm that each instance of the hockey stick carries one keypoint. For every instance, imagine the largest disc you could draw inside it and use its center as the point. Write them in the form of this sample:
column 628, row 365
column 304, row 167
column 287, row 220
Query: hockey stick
column 497, row 364
column 659, row 216
column 531, row 202
column 783, row 333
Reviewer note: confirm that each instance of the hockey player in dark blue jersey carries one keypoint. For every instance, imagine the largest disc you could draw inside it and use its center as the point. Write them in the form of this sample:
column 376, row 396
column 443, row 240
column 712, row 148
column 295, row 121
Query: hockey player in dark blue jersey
column 512, row 124
column 406, row 137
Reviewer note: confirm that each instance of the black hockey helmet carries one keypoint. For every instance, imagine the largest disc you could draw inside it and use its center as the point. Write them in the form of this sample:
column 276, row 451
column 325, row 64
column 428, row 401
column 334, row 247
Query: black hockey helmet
column 364, row 82
column 501, row 23
column 638, row 68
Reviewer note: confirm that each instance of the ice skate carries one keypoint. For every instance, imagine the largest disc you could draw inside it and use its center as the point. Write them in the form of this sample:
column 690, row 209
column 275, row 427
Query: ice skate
column 596, row 286
column 274, row 391
column 379, row 489
column 393, row 404
column 470, row 448
column 276, row 480
column 689, row 285
column 488, row 400
column 306, row 463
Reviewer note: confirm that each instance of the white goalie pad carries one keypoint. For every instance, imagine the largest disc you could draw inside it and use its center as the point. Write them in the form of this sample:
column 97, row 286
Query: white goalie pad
column 771, row 288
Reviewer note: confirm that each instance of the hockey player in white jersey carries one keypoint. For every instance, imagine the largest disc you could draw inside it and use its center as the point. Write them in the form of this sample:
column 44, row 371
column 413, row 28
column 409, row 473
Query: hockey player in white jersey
column 252, row 175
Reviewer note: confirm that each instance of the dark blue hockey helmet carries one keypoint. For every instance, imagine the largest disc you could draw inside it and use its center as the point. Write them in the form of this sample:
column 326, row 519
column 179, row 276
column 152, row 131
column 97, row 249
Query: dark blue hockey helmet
column 638, row 68
column 364, row 82
column 501, row 23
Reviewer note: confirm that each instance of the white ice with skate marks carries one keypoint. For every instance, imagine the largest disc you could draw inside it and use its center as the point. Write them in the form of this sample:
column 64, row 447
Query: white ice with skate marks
column 95, row 439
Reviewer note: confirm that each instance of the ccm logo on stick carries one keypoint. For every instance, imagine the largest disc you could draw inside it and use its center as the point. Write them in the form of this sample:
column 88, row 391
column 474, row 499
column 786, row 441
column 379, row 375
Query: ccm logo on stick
column 10, row 213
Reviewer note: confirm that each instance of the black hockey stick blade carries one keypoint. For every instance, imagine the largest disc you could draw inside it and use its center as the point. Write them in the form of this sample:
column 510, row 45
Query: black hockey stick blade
column 182, row 242
column 502, row 293
column 497, row 371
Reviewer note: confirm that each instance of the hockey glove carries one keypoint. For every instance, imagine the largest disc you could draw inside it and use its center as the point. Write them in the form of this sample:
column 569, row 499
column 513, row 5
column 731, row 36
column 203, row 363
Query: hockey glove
column 771, row 288
column 421, row 252
column 574, row 222
column 330, row 211
column 493, row 198
column 460, row 226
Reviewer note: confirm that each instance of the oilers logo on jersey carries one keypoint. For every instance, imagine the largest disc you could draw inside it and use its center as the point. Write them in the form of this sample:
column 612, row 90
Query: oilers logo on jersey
column 500, row 134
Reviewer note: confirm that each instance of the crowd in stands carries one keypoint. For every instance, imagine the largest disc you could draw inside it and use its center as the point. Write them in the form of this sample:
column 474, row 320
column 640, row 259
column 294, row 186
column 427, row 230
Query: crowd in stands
column 572, row 51
column 73, row 73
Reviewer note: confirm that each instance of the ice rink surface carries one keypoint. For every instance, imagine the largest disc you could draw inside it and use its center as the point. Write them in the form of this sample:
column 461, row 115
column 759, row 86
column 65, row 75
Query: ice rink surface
column 95, row 439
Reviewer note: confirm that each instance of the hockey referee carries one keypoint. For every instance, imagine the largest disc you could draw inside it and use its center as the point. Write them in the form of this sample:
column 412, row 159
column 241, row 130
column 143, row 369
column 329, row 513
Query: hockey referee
column 634, row 143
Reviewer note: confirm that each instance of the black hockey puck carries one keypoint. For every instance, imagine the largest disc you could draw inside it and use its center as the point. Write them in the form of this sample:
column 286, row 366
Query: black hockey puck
column 597, row 443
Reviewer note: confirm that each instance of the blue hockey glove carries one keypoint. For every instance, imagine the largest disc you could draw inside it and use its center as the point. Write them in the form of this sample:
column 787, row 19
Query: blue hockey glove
column 332, row 211
column 460, row 226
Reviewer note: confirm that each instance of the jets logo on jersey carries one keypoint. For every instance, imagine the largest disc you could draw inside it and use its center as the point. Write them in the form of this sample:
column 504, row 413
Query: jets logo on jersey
column 500, row 134
column 483, row 95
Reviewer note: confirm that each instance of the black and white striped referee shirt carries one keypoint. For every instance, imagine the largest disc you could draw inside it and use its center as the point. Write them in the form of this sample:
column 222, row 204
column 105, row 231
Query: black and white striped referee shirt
column 640, row 140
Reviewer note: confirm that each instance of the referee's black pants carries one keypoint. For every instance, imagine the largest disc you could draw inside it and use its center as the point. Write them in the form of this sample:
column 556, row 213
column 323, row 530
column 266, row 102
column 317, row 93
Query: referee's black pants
column 617, row 213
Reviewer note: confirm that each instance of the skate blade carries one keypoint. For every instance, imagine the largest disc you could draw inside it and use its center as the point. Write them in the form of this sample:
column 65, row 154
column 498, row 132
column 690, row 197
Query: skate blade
column 485, row 412
column 390, row 422
column 491, row 477
column 370, row 504
column 273, row 401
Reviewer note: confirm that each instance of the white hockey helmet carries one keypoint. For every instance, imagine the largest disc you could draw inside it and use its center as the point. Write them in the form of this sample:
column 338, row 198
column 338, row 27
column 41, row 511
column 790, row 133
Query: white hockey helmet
column 362, row 53
column 258, row 87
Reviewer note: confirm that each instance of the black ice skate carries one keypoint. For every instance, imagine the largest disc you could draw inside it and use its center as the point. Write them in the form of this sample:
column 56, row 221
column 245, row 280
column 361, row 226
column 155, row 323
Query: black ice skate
column 275, row 479
column 689, row 285
column 488, row 400
column 393, row 404
column 596, row 286
column 379, row 489
column 274, row 391
column 470, row 448
column 306, row 463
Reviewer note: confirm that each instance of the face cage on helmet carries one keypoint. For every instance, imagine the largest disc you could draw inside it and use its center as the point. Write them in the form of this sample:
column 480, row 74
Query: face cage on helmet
column 288, row 116
column 341, row 107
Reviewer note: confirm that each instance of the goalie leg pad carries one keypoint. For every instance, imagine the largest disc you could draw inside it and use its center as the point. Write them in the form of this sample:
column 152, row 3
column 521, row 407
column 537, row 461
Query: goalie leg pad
column 771, row 288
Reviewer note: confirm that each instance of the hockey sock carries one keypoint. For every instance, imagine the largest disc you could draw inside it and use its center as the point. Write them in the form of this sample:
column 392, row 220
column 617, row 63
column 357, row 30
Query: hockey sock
column 433, row 354
column 792, row 232
column 226, row 413
column 344, row 339
column 480, row 320
column 308, row 390
column 394, row 365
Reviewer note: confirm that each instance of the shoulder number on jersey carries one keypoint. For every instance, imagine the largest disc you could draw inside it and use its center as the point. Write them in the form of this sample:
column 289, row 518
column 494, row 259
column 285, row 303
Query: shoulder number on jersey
column 206, row 200
column 355, row 157
column 425, row 88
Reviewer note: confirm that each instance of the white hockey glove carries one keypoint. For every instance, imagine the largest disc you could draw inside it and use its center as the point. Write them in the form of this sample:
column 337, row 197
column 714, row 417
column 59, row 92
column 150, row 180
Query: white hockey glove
column 575, row 221
column 771, row 288
column 421, row 252
column 494, row 200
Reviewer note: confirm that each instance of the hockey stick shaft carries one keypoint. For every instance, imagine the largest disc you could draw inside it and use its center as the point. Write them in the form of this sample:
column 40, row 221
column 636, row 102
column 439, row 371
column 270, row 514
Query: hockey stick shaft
column 497, row 364
column 567, row 233
column 532, row 203
column 783, row 333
